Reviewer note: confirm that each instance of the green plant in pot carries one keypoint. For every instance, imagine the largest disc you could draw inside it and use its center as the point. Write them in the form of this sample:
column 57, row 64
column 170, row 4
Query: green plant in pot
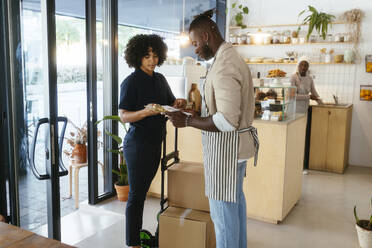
column 317, row 20
column 364, row 230
column 121, row 186
column 239, row 16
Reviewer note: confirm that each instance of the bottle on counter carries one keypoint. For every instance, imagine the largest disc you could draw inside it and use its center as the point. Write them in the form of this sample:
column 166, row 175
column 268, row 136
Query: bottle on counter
column 194, row 97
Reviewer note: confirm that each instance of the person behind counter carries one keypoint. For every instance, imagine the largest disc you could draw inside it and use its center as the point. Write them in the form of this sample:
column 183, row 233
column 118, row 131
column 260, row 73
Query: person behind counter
column 305, row 85
column 142, row 143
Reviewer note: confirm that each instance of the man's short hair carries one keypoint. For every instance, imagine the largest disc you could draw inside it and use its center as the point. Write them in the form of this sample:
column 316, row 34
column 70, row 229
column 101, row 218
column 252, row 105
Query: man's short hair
column 203, row 22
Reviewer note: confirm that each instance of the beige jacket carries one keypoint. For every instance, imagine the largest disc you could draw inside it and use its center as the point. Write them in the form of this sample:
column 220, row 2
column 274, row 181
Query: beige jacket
column 229, row 90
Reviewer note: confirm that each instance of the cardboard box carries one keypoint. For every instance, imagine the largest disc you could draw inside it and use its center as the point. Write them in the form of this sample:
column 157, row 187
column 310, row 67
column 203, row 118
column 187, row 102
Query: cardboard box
column 185, row 228
column 186, row 186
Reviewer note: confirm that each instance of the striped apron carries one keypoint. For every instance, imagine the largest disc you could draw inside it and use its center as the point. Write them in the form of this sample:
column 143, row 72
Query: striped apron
column 220, row 155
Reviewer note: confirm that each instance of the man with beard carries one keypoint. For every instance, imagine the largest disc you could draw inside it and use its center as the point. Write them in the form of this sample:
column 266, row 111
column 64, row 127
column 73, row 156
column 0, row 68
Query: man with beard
column 228, row 138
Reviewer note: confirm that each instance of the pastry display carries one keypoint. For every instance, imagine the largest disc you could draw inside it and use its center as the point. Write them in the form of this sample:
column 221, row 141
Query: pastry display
column 276, row 73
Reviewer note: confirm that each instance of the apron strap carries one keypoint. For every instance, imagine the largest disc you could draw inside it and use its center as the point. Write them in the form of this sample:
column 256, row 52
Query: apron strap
column 254, row 133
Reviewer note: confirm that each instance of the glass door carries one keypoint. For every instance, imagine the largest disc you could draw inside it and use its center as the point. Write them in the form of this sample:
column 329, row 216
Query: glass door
column 42, row 106
column 55, row 92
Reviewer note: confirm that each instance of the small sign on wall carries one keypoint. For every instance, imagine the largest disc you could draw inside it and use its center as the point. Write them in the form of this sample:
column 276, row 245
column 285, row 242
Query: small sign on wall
column 365, row 93
column 369, row 63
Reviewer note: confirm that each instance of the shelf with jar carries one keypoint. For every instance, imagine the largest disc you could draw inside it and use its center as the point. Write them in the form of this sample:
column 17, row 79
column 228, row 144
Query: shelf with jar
column 288, row 44
column 278, row 25
column 285, row 37
column 323, row 56
column 275, row 102
column 295, row 63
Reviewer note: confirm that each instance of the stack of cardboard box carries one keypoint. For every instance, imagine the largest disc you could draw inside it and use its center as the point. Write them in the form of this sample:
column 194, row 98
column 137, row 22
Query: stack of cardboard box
column 186, row 223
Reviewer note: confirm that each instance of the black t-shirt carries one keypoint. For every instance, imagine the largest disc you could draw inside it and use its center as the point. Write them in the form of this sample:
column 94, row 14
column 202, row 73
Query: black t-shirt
column 138, row 90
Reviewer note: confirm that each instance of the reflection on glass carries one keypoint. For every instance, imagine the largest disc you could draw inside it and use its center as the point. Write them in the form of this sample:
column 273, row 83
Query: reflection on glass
column 32, row 192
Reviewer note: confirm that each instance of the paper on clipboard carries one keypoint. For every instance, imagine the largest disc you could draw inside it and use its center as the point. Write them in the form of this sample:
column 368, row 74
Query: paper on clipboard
column 171, row 109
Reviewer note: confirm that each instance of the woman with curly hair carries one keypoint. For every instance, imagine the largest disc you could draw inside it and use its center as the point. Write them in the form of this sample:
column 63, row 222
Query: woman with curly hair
column 142, row 143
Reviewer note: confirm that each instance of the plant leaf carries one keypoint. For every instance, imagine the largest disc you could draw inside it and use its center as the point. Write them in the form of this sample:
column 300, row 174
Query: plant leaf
column 240, row 6
column 312, row 9
column 356, row 216
column 116, row 172
column 114, row 118
column 239, row 19
column 233, row 5
column 114, row 151
column 115, row 137
column 246, row 10
column 301, row 13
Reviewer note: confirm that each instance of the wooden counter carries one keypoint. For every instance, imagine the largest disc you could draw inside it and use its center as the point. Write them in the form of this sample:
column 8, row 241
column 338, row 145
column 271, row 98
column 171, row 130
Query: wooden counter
column 274, row 186
column 330, row 137
column 15, row 237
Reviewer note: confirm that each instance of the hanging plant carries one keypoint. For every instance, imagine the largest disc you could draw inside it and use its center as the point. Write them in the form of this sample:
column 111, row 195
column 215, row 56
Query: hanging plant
column 239, row 16
column 317, row 20
column 354, row 18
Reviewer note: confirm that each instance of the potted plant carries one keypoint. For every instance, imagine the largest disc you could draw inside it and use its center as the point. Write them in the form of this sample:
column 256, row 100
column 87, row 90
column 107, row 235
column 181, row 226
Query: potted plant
column 364, row 230
column 78, row 143
column 238, row 17
column 121, row 186
column 317, row 20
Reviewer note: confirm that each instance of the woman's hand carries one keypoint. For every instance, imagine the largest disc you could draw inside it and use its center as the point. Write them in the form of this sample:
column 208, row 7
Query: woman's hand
column 180, row 103
column 149, row 112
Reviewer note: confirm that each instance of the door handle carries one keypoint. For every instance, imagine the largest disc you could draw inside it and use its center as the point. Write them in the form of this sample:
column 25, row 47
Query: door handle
column 63, row 171
column 33, row 146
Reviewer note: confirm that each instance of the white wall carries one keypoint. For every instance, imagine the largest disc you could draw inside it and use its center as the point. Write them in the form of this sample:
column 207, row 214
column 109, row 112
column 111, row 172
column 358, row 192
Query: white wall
column 268, row 12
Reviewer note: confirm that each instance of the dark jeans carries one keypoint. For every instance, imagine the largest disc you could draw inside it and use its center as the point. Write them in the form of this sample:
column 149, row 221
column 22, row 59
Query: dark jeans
column 142, row 159
column 307, row 139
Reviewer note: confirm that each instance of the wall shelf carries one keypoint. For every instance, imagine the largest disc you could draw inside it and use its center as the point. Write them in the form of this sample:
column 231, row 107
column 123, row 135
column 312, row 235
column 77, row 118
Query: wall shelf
column 297, row 44
column 313, row 63
column 278, row 25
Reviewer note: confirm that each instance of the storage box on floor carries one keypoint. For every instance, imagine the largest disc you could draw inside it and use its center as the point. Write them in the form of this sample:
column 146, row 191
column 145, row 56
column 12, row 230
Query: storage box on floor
column 186, row 186
column 186, row 223
column 185, row 228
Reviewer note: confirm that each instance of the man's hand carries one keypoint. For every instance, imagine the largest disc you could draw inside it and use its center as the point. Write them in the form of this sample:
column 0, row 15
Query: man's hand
column 177, row 118
column 180, row 103
column 312, row 97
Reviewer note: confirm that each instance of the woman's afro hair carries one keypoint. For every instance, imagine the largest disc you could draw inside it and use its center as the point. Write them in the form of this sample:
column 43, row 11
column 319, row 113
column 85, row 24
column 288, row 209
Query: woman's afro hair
column 138, row 47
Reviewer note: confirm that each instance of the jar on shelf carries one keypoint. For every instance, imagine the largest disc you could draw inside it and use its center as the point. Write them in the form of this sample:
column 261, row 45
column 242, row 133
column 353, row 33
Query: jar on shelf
column 232, row 39
column 327, row 58
column 267, row 39
column 342, row 38
column 249, row 38
column 329, row 38
column 312, row 38
column 339, row 37
column 302, row 40
column 346, row 37
column 241, row 39
column 276, row 38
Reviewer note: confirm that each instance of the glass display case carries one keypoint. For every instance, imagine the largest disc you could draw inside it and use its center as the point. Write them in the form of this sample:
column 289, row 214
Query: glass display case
column 275, row 103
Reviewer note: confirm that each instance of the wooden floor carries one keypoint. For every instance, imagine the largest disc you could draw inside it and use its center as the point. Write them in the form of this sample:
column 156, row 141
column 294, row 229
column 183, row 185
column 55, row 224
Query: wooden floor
column 14, row 237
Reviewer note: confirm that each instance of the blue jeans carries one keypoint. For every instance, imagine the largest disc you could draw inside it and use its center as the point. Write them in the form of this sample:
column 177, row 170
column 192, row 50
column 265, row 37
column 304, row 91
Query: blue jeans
column 230, row 219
